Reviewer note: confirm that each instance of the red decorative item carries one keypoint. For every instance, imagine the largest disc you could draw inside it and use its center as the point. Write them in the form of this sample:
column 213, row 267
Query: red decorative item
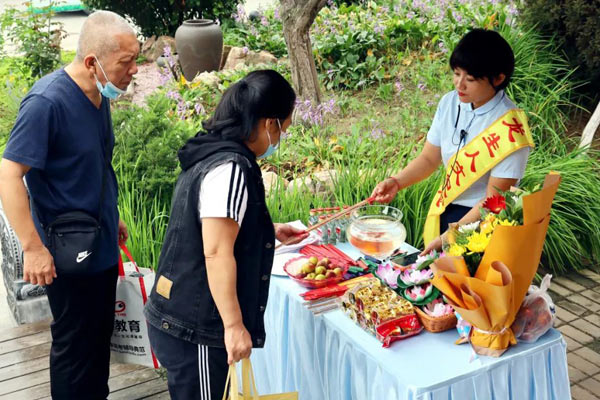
column 398, row 329
column 329, row 251
column 329, row 291
column 495, row 203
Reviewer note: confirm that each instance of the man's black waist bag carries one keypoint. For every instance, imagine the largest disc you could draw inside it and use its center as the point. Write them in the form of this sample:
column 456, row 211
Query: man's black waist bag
column 72, row 239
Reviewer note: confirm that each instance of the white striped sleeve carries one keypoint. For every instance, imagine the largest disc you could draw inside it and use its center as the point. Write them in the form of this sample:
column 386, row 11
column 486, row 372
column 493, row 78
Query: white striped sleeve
column 223, row 193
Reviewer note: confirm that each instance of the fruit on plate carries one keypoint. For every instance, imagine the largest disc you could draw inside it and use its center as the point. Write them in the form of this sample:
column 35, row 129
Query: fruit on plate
column 308, row 268
column 314, row 268
column 323, row 262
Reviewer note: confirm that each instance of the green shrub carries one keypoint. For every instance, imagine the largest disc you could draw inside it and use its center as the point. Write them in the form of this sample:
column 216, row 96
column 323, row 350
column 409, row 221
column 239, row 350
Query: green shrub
column 163, row 17
column 15, row 79
column 263, row 33
column 36, row 36
column 359, row 44
column 576, row 26
column 146, row 144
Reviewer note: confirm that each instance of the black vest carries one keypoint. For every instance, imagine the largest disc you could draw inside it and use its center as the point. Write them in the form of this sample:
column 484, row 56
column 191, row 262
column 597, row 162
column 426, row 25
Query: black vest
column 190, row 312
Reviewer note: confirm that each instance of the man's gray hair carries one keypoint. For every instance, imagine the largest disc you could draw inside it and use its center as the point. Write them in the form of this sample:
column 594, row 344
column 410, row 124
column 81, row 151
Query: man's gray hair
column 98, row 34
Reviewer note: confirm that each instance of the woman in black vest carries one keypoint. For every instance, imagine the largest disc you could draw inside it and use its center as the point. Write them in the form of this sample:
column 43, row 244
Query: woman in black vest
column 206, row 308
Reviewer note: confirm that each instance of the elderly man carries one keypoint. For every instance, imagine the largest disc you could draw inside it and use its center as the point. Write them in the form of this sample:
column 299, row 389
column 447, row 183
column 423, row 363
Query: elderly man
column 62, row 143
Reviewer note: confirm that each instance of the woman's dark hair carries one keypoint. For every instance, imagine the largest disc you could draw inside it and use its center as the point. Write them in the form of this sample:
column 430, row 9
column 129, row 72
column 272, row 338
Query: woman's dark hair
column 484, row 54
column 260, row 94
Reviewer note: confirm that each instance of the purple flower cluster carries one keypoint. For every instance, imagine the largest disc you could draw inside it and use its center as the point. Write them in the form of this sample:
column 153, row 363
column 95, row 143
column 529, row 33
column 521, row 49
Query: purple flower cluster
column 326, row 27
column 168, row 54
column 168, row 73
column 181, row 104
column 421, row 6
column 240, row 15
column 315, row 114
column 422, row 86
column 165, row 76
column 199, row 108
column 399, row 87
column 443, row 47
column 457, row 17
column 376, row 131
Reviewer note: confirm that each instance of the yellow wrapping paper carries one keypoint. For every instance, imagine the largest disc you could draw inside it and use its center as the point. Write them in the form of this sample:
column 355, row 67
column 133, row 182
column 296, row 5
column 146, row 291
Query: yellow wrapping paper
column 249, row 391
column 491, row 299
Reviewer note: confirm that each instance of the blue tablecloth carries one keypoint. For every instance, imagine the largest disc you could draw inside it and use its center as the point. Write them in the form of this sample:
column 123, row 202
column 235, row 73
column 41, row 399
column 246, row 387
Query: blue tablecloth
column 328, row 357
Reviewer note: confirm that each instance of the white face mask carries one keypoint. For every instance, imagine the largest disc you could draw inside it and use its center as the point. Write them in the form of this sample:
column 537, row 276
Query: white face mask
column 109, row 90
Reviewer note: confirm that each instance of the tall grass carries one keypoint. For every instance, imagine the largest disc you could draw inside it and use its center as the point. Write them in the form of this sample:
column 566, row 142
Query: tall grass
column 146, row 221
column 574, row 233
column 542, row 84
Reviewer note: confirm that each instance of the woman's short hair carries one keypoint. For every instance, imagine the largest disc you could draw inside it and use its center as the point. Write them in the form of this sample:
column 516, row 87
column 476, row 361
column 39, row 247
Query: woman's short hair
column 484, row 54
column 260, row 94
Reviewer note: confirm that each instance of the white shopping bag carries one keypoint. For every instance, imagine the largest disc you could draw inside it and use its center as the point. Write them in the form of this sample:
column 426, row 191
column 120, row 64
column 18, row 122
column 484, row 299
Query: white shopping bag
column 129, row 343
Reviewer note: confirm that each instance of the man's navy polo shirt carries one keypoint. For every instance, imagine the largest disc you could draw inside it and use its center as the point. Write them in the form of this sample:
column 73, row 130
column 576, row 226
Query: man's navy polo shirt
column 61, row 135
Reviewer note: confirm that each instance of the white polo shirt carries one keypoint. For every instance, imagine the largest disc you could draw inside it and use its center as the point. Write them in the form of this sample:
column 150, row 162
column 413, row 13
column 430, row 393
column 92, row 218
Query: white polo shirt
column 443, row 134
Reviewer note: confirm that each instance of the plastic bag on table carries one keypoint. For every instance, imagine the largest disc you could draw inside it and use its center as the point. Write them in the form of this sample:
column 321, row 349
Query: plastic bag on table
column 537, row 313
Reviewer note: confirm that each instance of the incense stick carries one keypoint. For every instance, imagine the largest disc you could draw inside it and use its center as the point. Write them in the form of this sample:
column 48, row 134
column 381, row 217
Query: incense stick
column 333, row 217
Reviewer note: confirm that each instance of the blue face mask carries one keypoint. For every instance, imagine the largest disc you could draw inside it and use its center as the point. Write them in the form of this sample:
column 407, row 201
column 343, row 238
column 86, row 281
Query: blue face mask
column 109, row 90
column 271, row 149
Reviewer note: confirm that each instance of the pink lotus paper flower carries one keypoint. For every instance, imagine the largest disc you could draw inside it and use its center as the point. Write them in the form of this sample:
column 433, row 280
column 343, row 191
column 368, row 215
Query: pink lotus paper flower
column 422, row 259
column 413, row 276
column 389, row 275
column 418, row 293
column 437, row 308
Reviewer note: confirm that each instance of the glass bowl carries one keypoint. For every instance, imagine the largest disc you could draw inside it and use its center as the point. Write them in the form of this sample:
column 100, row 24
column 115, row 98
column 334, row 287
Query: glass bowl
column 376, row 230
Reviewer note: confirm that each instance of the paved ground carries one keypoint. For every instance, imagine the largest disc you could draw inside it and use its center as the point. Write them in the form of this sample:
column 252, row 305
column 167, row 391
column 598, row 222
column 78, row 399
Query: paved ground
column 577, row 299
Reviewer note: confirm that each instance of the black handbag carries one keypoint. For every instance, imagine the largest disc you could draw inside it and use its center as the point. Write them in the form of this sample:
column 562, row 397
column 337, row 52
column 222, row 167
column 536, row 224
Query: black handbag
column 72, row 237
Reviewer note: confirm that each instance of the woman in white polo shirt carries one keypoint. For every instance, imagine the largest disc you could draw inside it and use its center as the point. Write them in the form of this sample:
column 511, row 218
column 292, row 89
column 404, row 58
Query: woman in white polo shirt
column 477, row 132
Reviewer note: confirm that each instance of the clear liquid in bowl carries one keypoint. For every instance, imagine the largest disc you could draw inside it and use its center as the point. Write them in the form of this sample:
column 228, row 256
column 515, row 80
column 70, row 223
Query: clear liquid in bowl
column 377, row 237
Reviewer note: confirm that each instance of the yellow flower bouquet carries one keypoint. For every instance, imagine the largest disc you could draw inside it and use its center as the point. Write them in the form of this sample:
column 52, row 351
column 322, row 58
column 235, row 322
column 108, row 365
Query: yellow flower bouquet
column 470, row 240
column 504, row 248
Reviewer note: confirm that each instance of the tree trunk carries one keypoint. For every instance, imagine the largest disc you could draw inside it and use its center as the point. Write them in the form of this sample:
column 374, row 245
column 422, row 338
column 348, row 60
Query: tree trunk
column 591, row 128
column 297, row 17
